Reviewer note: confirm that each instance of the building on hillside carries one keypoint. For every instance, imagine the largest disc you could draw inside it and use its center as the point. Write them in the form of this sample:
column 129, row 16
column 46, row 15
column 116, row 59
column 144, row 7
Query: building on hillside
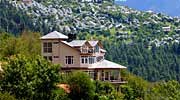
column 94, row 1
column 84, row 55
column 27, row 1
column 166, row 29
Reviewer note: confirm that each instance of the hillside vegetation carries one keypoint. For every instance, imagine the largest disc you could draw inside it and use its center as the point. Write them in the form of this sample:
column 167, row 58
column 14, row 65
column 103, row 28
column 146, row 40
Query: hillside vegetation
column 147, row 43
column 26, row 75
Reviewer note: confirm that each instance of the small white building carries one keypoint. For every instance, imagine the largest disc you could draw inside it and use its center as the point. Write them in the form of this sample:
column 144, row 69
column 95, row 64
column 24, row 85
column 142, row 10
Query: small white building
column 27, row 1
column 166, row 29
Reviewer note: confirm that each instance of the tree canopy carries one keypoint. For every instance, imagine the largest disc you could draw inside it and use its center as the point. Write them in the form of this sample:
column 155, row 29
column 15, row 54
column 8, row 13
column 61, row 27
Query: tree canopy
column 26, row 77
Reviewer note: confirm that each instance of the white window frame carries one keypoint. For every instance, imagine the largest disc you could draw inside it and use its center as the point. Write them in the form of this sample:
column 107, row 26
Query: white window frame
column 85, row 59
column 69, row 60
column 47, row 47
column 88, row 59
column 48, row 58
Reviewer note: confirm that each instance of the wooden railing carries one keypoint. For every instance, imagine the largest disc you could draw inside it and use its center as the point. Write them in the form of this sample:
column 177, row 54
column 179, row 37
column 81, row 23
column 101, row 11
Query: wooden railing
column 118, row 81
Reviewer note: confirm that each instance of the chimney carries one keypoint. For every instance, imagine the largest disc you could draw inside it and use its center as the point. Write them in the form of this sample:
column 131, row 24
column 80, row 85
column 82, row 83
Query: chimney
column 71, row 37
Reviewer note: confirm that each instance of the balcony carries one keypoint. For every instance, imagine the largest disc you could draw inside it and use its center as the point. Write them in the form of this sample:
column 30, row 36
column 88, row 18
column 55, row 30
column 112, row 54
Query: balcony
column 108, row 76
column 120, row 81
column 87, row 51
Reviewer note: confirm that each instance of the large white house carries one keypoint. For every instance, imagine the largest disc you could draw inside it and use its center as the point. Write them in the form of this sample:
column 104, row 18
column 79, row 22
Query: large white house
column 84, row 55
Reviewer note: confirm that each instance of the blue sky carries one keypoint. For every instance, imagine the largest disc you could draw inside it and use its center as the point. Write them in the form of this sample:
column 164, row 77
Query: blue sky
column 169, row 7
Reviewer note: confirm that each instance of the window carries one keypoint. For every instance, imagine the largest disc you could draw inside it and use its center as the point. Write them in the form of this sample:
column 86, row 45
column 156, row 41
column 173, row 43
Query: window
column 48, row 58
column 69, row 60
column 91, row 74
column 88, row 60
column 47, row 47
column 106, row 75
column 91, row 60
column 84, row 49
column 56, row 56
column 97, row 48
column 84, row 59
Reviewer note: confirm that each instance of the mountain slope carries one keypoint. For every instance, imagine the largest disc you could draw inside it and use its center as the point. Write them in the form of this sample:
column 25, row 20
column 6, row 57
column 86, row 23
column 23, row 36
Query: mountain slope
column 136, row 39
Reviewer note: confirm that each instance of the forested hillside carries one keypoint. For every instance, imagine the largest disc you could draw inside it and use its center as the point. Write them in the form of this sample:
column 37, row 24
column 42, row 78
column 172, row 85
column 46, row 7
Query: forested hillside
column 27, row 76
column 147, row 43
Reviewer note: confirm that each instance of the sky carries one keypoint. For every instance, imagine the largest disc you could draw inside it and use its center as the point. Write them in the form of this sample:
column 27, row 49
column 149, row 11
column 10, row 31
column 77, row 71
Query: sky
column 168, row 7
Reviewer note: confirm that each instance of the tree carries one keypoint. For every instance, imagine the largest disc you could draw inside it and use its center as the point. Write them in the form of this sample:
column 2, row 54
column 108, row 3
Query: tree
column 167, row 90
column 6, row 96
column 31, row 78
column 81, row 86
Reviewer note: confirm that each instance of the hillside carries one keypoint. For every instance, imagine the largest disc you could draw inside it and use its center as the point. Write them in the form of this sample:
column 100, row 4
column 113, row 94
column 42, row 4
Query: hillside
column 30, row 77
column 147, row 43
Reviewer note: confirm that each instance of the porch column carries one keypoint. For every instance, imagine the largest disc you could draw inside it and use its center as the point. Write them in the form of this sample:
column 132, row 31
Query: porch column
column 119, row 77
column 109, row 75
column 97, row 75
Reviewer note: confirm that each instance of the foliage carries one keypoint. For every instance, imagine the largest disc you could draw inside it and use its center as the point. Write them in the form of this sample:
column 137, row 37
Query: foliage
column 81, row 86
column 167, row 90
column 104, row 88
column 136, row 87
column 6, row 96
column 59, row 94
column 157, row 63
column 28, row 43
column 106, row 91
column 132, row 50
column 26, row 77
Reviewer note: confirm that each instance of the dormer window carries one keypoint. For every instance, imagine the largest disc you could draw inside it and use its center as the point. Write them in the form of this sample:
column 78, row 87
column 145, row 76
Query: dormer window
column 96, row 48
column 84, row 49
column 47, row 47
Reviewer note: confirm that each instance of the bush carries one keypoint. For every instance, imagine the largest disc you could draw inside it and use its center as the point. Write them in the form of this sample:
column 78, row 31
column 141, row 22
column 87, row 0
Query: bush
column 31, row 78
column 6, row 96
column 59, row 94
column 81, row 86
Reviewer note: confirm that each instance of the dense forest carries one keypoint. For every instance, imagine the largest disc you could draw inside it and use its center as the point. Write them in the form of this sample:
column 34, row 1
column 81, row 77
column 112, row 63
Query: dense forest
column 128, row 36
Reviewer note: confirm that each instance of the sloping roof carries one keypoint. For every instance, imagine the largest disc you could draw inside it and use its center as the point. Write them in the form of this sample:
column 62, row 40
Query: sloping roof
column 54, row 35
column 93, row 43
column 105, row 64
column 67, row 43
column 102, row 50
column 77, row 43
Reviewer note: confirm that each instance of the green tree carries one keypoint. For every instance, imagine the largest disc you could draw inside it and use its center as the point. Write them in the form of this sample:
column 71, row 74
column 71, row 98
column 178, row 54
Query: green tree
column 31, row 78
column 81, row 86
column 6, row 96
column 167, row 90
column 28, row 43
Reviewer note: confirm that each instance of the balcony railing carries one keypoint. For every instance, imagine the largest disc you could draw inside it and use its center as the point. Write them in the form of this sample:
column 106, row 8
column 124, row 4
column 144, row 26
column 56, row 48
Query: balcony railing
column 118, row 81
column 87, row 51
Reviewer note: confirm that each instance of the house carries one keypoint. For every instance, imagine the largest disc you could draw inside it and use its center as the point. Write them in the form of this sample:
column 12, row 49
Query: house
column 166, row 29
column 84, row 55
column 27, row 1
column 95, row 1
column 122, row 35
